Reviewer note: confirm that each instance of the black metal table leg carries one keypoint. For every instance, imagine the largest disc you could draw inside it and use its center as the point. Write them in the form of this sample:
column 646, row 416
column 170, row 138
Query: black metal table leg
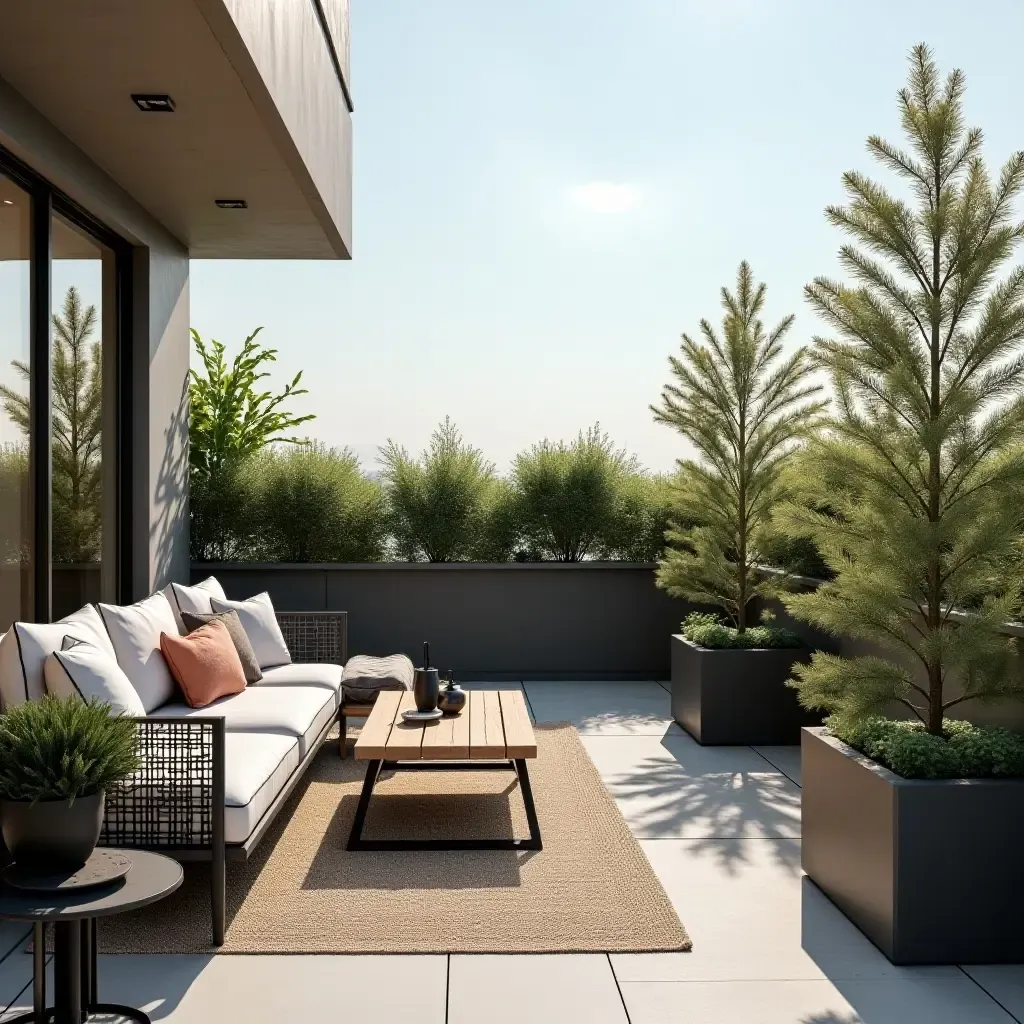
column 373, row 771
column 67, row 972
column 39, row 970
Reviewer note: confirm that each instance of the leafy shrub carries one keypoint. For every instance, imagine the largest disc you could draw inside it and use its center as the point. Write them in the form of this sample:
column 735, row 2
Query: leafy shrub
column 567, row 495
column 55, row 749
column 707, row 630
column 439, row 501
column 224, row 512
column 316, row 506
column 640, row 518
column 962, row 751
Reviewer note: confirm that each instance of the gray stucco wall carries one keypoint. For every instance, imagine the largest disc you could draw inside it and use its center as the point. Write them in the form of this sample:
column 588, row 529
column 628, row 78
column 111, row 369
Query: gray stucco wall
column 547, row 620
column 159, row 521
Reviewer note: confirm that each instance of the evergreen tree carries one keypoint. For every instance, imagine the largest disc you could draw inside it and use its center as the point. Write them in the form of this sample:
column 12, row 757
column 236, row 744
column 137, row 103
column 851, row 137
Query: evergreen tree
column 742, row 405
column 77, row 384
column 918, row 470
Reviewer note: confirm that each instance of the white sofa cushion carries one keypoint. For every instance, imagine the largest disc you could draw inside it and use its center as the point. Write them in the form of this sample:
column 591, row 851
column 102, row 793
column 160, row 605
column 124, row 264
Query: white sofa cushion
column 26, row 646
column 193, row 599
column 257, row 765
column 302, row 674
column 83, row 670
column 260, row 625
column 135, row 633
column 298, row 711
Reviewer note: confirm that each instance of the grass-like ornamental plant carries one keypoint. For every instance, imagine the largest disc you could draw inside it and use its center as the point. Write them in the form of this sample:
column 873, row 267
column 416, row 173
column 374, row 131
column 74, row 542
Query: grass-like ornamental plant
column 55, row 749
column 743, row 405
column 707, row 630
column 915, row 486
column 960, row 751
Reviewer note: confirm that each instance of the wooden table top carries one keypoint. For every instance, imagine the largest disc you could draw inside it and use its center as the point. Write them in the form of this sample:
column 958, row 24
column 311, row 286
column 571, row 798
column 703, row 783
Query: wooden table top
column 494, row 725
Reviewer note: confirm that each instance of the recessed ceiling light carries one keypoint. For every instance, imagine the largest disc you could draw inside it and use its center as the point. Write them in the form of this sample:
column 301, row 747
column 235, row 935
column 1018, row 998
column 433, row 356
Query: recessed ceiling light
column 8, row 202
column 153, row 103
column 232, row 204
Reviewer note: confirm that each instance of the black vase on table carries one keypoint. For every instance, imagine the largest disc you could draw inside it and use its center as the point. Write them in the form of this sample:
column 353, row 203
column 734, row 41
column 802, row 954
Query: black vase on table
column 426, row 684
column 453, row 697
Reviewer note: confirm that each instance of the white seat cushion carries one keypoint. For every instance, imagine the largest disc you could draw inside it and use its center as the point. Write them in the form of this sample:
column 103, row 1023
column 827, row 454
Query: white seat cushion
column 261, row 627
column 303, row 674
column 135, row 633
column 257, row 766
column 192, row 599
column 298, row 711
column 26, row 646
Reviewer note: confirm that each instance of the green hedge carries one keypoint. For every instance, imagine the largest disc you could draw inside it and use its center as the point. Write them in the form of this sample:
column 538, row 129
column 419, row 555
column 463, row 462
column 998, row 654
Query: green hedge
column 311, row 503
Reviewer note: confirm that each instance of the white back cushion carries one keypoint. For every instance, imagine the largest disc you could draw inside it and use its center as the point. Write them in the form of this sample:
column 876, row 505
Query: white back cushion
column 260, row 625
column 193, row 599
column 26, row 646
column 135, row 633
column 83, row 670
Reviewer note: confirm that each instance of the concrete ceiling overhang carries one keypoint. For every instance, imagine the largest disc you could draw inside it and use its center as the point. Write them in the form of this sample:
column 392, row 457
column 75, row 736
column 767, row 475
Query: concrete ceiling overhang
column 257, row 117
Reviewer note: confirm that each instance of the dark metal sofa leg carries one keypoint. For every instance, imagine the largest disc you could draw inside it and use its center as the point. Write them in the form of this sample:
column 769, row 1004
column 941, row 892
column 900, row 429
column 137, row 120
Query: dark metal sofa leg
column 342, row 734
column 218, row 879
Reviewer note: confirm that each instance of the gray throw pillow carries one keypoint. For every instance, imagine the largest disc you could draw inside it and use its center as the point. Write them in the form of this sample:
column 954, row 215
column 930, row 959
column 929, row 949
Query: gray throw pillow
column 246, row 655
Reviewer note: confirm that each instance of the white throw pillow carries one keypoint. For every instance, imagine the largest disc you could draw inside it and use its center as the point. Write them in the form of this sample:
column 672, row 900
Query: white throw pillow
column 26, row 646
column 193, row 599
column 82, row 670
column 135, row 633
column 260, row 625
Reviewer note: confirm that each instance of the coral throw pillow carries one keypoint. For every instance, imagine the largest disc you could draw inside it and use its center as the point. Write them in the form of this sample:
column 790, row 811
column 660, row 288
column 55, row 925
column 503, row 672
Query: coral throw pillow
column 204, row 664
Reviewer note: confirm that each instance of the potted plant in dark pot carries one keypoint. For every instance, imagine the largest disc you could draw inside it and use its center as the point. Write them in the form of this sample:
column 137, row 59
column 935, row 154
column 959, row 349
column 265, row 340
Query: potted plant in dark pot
column 743, row 406
column 913, row 821
column 57, row 759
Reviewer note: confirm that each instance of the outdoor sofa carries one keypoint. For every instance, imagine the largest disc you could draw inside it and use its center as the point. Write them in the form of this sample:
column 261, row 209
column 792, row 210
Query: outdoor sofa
column 213, row 779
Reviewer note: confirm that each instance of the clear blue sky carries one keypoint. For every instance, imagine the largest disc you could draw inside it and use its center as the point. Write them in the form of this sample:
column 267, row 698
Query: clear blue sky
column 491, row 284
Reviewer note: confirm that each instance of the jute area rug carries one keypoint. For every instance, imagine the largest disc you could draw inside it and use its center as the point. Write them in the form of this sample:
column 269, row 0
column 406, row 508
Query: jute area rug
column 589, row 889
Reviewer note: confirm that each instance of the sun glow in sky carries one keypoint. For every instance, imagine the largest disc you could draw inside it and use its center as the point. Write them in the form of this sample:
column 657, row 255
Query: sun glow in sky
column 606, row 197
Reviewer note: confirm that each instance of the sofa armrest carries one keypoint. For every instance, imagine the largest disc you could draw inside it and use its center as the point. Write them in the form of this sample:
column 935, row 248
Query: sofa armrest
column 176, row 798
column 316, row 637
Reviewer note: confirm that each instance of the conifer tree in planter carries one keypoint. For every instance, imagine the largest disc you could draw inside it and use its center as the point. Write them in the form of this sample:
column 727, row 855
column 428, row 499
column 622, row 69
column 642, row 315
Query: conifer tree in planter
column 921, row 468
column 743, row 406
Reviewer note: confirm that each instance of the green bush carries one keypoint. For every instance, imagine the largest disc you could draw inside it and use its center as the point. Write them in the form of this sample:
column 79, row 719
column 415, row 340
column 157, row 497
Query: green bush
column 316, row 506
column 439, row 501
column 567, row 495
column 707, row 630
column 639, row 520
column 224, row 512
column 55, row 749
column 962, row 751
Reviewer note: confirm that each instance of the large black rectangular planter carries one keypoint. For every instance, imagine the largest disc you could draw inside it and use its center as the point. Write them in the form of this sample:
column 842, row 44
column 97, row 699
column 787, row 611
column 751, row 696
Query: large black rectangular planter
column 929, row 870
column 737, row 696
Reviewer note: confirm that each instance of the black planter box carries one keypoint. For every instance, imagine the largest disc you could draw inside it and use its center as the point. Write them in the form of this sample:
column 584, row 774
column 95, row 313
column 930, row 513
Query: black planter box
column 929, row 870
column 737, row 696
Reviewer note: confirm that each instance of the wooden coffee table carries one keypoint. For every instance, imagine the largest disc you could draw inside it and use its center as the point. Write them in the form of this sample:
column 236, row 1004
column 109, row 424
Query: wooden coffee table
column 492, row 733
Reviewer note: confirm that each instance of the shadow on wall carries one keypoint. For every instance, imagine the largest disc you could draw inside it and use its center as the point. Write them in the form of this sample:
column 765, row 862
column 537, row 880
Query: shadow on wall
column 169, row 527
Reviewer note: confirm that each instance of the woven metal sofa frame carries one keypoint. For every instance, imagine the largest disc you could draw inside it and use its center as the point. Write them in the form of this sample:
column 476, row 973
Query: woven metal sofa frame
column 175, row 803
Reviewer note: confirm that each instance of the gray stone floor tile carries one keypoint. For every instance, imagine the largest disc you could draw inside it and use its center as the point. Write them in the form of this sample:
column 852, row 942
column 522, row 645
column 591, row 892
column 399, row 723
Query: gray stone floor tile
column 673, row 788
column 604, row 708
column 1004, row 982
column 912, row 1000
column 786, row 759
column 533, row 989
column 753, row 916
column 278, row 989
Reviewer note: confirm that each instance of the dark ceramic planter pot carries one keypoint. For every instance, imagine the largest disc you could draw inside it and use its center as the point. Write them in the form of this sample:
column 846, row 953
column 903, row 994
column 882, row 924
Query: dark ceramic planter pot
column 928, row 869
column 52, row 834
column 737, row 697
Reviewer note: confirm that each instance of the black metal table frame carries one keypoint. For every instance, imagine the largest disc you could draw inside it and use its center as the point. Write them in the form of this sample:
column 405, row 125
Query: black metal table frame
column 74, row 976
column 356, row 842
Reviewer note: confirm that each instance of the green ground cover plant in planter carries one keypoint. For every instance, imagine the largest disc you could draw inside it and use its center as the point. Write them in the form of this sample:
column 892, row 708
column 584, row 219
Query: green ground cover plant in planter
column 744, row 407
column 914, row 828
column 57, row 760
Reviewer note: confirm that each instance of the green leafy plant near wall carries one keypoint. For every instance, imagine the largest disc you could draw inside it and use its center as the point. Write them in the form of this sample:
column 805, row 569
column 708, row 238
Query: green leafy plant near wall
column 921, row 465
column 743, row 406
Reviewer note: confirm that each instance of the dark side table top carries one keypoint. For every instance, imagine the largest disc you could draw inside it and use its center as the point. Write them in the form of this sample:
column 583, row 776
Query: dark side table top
column 151, row 878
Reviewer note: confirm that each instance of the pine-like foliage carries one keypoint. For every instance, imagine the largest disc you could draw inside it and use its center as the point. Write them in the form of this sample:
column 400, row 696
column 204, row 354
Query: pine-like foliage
column 77, row 430
column 919, row 468
column 54, row 749
column 230, row 418
column 439, row 502
column 742, row 405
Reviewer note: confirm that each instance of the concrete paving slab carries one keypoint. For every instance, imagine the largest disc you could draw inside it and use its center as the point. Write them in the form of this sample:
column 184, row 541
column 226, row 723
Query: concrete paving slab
column 604, row 708
column 786, row 759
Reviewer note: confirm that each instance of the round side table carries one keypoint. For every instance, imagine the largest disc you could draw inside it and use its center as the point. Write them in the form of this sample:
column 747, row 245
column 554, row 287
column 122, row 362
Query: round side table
column 73, row 915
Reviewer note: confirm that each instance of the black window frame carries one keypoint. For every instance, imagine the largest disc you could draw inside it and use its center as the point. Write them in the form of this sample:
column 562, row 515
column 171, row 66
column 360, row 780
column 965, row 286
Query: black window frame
column 46, row 201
